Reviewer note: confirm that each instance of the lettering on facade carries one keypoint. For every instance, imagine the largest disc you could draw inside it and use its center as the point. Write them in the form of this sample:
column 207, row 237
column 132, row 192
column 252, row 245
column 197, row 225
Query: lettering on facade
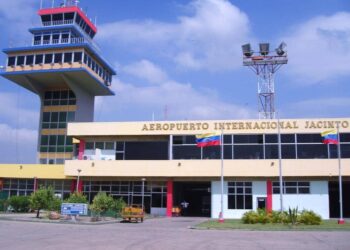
column 254, row 125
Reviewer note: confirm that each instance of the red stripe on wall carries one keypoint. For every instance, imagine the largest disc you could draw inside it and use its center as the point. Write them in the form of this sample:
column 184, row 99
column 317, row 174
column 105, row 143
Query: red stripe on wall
column 269, row 196
column 81, row 149
column 169, row 198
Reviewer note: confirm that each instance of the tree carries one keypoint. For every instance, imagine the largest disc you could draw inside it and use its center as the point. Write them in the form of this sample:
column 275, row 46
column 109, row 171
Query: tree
column 76, row 198
column 43, row 198
column 19, row 203
column 101, row 203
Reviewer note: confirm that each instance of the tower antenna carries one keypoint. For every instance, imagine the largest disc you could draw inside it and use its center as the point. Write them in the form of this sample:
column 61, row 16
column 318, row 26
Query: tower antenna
column 265, row 64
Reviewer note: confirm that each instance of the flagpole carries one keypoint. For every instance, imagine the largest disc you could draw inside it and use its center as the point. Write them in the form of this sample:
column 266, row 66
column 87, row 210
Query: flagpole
column 280, row 163
column 221, row 215
column 341, row 219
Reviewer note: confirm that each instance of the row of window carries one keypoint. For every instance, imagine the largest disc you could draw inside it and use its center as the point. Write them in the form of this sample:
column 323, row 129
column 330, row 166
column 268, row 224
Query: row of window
column 292, row 187
column 67, row 57
column 59, row 97
column 56, row 143
column 159, row 151
column 262, row 139
column 67, row 18
column 57, row 119
column 57, row 37
column 51, row 161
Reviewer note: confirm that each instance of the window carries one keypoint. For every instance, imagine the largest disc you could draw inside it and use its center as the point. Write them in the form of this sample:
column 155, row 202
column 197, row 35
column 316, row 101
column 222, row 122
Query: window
column 20, row 60
column 58, row 58
column 48, row 58
column 146, row 150
column 30, row 60
column 11, row 61
column 248, row 139
column 46, row 39
column 39, row 59
column 55, row 38
column 78, row 56
column 240, row 195
column 292, row 187
column 68, row 16
column 37, row 39
column 309, row 138
column 68, row 57
column 57, row 17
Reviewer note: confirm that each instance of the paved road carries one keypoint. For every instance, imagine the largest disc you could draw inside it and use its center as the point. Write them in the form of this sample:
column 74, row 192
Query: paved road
column 160, row 233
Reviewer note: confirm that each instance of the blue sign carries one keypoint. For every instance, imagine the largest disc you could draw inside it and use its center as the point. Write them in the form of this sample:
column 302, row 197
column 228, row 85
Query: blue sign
column 74, row 209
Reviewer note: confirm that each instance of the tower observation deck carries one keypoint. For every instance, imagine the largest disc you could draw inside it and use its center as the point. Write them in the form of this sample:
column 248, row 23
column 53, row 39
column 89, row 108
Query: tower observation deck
column 64, row 67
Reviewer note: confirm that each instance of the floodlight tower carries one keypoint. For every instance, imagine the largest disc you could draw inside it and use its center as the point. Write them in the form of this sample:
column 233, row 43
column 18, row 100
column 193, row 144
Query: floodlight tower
column 264, row 64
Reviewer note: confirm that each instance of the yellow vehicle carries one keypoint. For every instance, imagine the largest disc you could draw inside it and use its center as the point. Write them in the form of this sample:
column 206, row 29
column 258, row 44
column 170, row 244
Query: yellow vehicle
column 133, row 212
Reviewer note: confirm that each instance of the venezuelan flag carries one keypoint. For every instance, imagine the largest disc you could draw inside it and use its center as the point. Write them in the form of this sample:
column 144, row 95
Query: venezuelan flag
column 210, row 139
column 330, row 137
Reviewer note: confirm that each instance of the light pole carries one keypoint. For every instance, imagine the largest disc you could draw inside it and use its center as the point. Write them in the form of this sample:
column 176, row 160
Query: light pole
column 79, row 170
column 143, row 191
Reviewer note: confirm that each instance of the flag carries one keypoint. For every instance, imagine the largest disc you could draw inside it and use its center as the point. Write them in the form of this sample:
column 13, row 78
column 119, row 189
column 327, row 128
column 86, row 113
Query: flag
column 211, row 139
column 330, row 137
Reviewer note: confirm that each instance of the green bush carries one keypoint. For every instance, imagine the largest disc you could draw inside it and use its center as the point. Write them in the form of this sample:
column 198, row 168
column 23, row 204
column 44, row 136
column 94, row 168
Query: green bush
column 250, row 217
column 293, row 216
column 118, row 206
column 43, row 198
column 55, row 204
column 309, row 217
column 19, row 203
column 4, row 204
column 101, row 203
column 76, row 198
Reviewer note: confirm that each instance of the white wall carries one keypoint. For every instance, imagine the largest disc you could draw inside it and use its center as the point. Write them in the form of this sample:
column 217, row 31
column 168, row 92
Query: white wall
column 316, row 201
column 258, row 189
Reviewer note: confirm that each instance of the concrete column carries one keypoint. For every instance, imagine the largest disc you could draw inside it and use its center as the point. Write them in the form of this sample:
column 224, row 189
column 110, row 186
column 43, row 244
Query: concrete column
column 169, row 198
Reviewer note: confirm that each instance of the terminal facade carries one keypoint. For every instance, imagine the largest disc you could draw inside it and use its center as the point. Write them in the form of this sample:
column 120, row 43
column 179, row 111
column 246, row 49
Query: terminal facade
column 159, row 162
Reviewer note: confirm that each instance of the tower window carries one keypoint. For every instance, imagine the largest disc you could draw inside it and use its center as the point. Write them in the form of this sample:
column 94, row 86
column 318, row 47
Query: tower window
column 55, row 38
column 29, row 60
column 39, row 59
column 69, row 16
column 48, row 58
column 46, row 39
column 68, row 57
column 78, row 56
column 57, row 17
column 20, row 60
column 46, row 18
column 65, row 38
column 37, row 39
column 11, row 61
column 58, row 58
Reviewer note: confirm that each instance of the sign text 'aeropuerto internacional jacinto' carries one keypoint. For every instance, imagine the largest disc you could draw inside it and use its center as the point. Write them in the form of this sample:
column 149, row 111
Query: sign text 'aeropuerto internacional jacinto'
column 246, row 125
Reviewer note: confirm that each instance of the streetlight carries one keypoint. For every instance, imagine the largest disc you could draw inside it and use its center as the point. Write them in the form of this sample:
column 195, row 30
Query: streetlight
column 143, row 191
column 79, row 170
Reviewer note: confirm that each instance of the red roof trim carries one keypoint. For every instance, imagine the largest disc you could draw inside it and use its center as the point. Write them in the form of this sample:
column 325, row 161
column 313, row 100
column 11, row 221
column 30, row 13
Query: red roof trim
column 65, row 10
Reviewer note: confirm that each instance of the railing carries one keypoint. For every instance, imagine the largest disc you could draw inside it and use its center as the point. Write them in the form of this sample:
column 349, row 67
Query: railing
column 59, row 22
column 74, row 40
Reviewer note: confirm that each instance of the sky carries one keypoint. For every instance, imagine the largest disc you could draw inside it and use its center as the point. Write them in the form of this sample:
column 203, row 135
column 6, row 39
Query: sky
column 182, row 60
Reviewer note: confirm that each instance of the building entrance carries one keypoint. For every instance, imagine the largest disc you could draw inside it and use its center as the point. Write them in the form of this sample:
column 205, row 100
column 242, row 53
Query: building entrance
column 194, row 198
column 333, row 187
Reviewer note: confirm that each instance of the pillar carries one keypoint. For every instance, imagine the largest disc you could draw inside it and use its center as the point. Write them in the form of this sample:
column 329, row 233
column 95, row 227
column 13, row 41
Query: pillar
column 81, row 149
column 269, row 196
column 169, row 198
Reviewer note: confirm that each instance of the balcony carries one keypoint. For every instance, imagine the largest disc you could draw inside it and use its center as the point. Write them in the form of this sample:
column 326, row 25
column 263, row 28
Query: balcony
column 73, row 40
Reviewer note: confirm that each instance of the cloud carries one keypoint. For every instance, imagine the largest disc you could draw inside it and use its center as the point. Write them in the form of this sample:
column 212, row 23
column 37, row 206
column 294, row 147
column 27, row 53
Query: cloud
column 318, row 108
column 181, row 100
column 319, row 49
column 210, row 38
column 14, row 113
column 145, row 69
column 17, row 145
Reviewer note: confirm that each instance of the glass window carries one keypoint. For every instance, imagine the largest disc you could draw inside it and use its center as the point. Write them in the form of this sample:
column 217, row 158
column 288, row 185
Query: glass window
column 288, row 151
column 186, row 152
column 46, row 18
column 11, row 61
column 63, row 116
column 271, row 151
column 53, row 140
column 58, row 58
column 228, row 152
column 309, row 138
column 212, row 152
column 148, row 150
column 39, row 59
column 60, row 140
column 71, row 116
column 54, row 117
column 20, row 60
column 120, row 146
column 78, row 19
column 99, row 145
column 78, row 56
column 287, row 138
column 271, row 138
column 46, row 39
column 240, row 195
column 345, row 150
column 345, row 137
column 48, row 58
column 248, row 151
column 68, row 57
column 44, row 140
column 46, row 116
column 248, row 139
column 312, row 151
column 109, row 145
column 89, row 145
column 37, row 39
column 55, row 38
column 30, row 59
column 57, row 17
column 227, row 139
column 184, row 139
column 69, row 16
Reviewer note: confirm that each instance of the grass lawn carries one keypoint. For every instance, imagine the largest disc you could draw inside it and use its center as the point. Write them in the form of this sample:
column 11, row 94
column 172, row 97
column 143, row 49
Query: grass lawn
column 326, row 225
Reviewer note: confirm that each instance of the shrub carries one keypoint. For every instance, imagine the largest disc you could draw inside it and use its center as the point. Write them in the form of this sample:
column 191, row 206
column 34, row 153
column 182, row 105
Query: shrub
column 309, row 217
column 118, row 206
column 43, row 198
column 101, row 203
column 76, row 198
column 4, row 203
column 293, row 215
column 250, row 217
column 55, row 204
column 19, row 203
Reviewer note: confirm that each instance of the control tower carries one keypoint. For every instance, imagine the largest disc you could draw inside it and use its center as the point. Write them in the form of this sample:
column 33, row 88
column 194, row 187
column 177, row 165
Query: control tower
column 64, row 67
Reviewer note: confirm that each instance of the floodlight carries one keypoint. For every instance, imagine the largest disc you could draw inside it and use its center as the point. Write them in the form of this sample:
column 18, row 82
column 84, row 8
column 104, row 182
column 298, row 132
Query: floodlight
column 281, row 49
column 264, row 48
column 247, row 51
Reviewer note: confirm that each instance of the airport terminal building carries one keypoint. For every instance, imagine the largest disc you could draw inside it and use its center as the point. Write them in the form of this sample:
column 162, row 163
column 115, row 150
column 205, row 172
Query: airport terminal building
column 159, row 162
